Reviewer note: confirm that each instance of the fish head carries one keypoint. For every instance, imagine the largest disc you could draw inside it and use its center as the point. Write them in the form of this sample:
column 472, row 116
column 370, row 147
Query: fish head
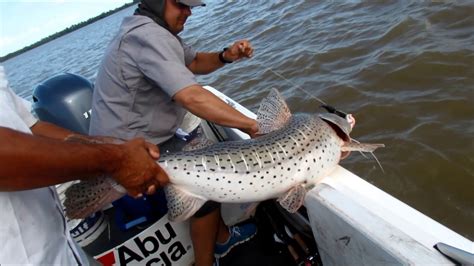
column 341, row 126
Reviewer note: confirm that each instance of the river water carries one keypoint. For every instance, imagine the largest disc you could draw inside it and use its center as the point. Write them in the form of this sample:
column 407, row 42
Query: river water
column 405, row 69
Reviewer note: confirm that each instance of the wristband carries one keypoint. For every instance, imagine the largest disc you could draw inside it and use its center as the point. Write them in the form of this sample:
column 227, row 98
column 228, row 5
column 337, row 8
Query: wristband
column 222, row 59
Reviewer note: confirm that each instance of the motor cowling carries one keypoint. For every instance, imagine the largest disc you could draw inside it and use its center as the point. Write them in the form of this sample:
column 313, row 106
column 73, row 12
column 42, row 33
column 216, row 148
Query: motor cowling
column 65, row 100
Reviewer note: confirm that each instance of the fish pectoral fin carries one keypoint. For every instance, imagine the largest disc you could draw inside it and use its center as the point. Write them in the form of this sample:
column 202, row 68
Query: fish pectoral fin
column 293, row 198
column 273, row 113
column 181, row 205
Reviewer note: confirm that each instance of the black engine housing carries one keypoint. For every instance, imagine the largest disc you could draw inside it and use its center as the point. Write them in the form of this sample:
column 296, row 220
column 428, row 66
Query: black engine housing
column 65, row 100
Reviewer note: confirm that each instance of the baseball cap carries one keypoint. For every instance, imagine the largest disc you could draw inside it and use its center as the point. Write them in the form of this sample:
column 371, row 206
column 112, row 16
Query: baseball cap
column 191, row 3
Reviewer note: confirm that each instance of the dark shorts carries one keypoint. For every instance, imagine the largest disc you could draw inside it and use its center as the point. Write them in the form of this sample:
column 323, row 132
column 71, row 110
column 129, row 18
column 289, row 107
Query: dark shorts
column 177, row 144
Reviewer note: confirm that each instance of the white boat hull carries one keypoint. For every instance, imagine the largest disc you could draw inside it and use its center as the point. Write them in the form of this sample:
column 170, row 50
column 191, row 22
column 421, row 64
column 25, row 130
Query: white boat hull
column 355, row 223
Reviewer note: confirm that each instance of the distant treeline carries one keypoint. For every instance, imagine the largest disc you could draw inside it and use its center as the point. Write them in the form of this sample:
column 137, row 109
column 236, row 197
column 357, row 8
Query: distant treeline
column 66, row 31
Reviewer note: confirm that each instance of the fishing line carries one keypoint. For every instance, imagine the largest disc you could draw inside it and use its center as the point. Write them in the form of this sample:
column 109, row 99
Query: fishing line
column 329, row 108
column 296, row 85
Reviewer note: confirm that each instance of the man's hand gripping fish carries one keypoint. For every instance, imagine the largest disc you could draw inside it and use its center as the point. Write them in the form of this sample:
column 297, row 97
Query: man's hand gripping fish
column 295, row 153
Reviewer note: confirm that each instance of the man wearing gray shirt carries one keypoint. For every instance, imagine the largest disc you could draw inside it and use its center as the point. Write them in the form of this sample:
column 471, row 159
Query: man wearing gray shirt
column 144, row 86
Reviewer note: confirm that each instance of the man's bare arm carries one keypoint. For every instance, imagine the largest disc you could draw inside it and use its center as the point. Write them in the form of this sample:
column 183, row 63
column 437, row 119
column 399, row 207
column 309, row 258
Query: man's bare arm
column 206, row 105
column 46, row 129
column 30, row 161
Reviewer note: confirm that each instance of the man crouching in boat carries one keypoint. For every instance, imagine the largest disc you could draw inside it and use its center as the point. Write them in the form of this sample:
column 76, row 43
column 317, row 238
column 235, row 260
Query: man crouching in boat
column 35, row 157
column 144, row 86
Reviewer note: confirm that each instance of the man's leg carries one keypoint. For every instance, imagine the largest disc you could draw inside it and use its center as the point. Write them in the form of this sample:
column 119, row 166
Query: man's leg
column 223, row 233
column 203, row 235
column 211, row 237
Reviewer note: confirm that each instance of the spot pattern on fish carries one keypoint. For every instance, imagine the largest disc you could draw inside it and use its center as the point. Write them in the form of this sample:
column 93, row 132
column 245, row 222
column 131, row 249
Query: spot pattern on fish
column 91, row 195
column 229, row 171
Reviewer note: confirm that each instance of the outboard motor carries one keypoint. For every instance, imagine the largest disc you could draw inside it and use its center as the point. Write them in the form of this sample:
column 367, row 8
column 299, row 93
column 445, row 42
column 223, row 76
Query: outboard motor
column 64, row 100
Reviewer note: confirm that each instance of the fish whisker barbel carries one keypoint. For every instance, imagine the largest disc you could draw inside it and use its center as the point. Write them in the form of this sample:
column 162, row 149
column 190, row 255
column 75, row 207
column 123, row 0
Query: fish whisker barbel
column 373, row 155
column 361, row 153
column 377, row 160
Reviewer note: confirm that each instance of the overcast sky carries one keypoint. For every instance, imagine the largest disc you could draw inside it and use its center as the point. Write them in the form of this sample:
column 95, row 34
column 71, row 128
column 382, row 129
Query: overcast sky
column 24, row 22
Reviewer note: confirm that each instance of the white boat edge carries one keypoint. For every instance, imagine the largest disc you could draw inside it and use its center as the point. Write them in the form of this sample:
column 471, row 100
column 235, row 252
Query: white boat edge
column 355, row 222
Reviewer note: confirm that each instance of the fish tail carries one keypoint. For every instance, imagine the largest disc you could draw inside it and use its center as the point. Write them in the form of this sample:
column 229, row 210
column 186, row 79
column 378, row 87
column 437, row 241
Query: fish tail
column 363, row 147
column 89, row 196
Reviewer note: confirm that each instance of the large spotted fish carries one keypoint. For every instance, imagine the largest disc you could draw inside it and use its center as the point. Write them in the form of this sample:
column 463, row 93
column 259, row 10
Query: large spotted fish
column 295, row 153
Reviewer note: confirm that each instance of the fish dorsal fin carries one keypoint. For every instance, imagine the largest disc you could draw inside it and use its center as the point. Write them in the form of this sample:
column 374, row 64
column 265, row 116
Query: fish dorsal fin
column 273, row 113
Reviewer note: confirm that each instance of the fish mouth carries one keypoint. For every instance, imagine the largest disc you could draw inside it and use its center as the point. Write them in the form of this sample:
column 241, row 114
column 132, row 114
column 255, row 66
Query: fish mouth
column 344, row 154
column 339, row 131
column 341, row 134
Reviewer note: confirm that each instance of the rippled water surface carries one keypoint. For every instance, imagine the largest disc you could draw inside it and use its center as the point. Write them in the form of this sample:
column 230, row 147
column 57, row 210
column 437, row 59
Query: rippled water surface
column 405, row 69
